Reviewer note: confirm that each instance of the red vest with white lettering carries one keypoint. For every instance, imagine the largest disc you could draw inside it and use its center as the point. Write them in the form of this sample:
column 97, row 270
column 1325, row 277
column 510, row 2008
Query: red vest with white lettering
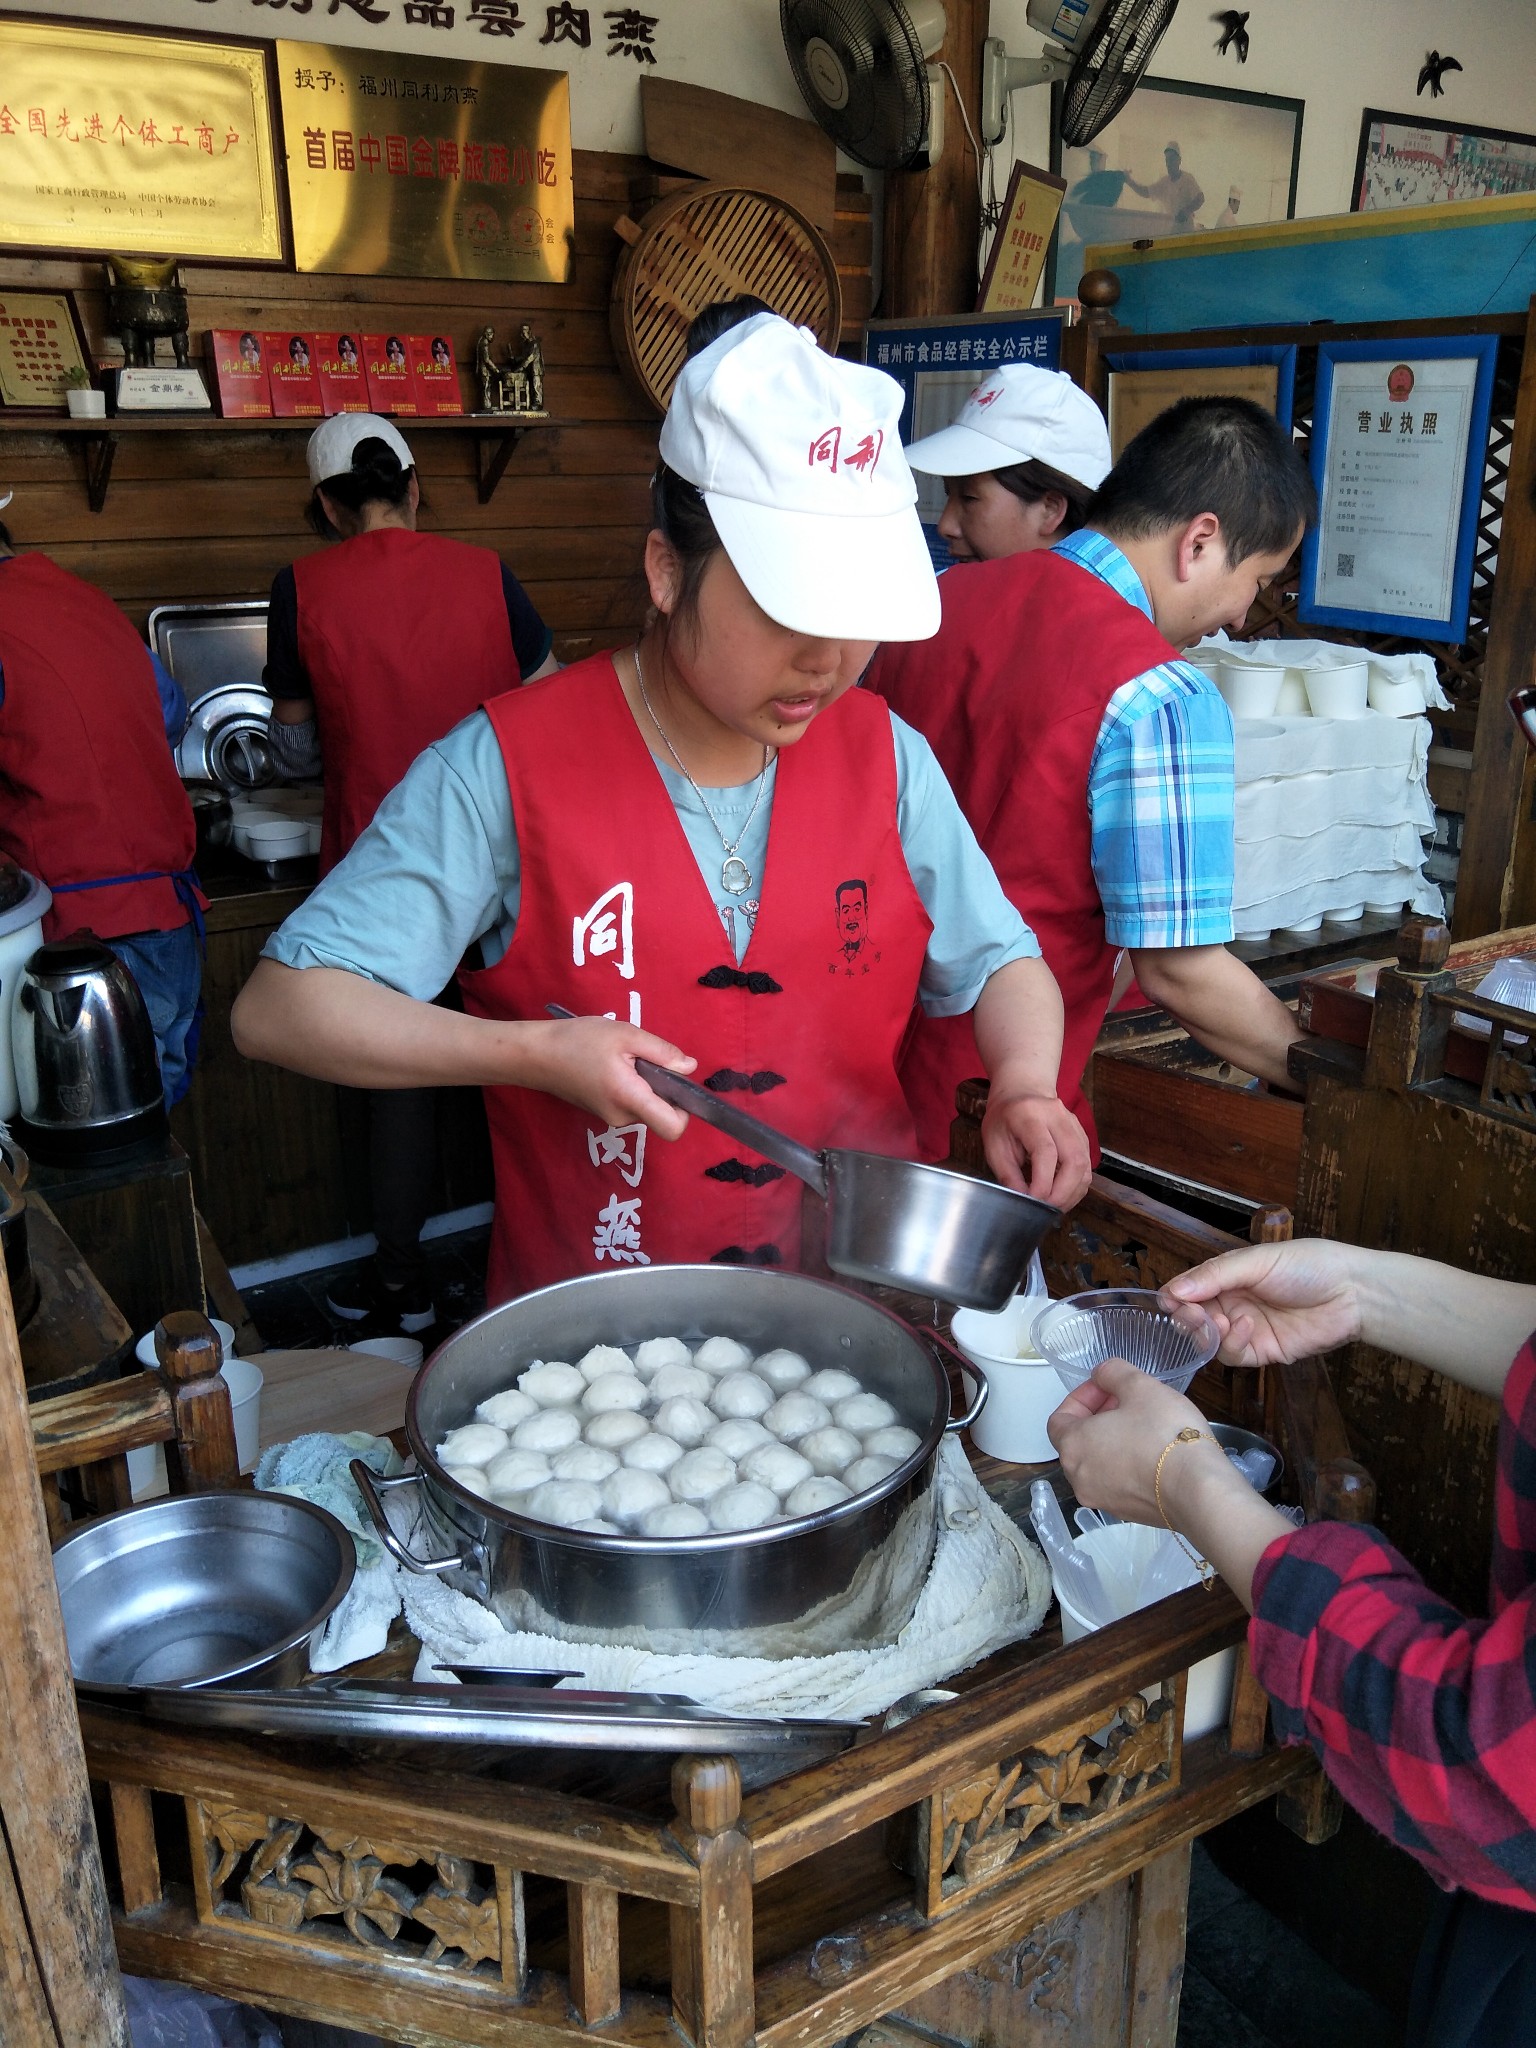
column 88, row 787
column 616, row 918
column 1011, row 694
column 402, row 635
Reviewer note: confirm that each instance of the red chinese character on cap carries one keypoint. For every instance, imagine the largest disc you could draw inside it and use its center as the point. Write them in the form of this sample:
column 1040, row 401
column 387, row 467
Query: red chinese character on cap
column 825, row 447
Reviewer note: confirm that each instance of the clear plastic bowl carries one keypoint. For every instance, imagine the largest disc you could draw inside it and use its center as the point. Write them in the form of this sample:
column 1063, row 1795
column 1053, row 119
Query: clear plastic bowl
column 1079, row 1333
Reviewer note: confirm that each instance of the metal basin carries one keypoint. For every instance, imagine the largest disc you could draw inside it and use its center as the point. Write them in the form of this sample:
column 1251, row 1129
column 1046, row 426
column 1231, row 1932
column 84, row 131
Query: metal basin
column 848, row 1576
column 202, row 1589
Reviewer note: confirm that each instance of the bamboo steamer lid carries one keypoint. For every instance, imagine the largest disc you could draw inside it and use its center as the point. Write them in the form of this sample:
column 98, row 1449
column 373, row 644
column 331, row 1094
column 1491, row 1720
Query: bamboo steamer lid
column 714, row 241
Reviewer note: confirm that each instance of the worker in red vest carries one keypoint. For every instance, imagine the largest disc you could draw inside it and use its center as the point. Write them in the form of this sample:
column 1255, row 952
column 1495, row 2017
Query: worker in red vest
column 1095, row 765
column 709, row 846
column 376, row 647
column 90, row 800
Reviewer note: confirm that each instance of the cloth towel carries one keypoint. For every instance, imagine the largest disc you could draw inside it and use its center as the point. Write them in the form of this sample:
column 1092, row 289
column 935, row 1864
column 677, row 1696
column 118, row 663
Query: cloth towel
column 314, row 1468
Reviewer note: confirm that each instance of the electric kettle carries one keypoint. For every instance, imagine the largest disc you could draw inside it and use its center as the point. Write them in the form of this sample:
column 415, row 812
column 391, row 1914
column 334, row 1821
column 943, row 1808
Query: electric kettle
column 87, row 1078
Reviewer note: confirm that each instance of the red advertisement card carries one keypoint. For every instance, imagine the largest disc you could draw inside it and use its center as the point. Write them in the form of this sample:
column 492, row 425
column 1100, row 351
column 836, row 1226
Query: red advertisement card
column 239, row 365
column 343, row 384
column 293, row 376
column 436, row 374
column 391, row 387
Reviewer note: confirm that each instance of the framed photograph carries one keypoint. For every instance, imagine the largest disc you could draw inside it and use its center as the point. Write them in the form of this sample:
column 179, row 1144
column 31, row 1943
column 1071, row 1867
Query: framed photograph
column 1399, row 446
column 41, row 341
column 1408, row 160
column 1017, row 256
column 1179, row 160
column 1145, row 382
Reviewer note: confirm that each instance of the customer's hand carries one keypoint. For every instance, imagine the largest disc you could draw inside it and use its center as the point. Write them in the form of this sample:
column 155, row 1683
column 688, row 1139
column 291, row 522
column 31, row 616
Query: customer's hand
column 1276, row 1302
column 1109, row 1433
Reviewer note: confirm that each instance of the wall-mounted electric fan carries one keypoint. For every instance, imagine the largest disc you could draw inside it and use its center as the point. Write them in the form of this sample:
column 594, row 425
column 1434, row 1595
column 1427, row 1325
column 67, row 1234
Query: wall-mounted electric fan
column 862, row 67
column 1099, row 49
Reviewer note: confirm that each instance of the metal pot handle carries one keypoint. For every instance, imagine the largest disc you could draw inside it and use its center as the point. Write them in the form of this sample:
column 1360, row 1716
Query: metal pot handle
column 371, row 1486
column 949, row 1355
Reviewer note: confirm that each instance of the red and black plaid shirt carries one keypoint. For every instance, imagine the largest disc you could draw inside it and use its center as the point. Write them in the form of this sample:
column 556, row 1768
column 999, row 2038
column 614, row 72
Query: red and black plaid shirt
column 1424, row 1720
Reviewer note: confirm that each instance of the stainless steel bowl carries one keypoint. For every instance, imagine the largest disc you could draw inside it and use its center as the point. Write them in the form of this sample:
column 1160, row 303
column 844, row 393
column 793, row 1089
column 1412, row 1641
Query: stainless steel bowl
column 202, row 1589
column 847, row 1576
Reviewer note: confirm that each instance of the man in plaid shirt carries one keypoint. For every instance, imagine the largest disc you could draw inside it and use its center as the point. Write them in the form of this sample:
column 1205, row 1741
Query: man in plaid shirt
column 1424, row 1719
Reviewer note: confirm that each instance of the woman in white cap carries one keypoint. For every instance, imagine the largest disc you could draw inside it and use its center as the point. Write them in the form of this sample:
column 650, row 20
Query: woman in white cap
column 710, row 847
column 376, row 647
column 1022, row 458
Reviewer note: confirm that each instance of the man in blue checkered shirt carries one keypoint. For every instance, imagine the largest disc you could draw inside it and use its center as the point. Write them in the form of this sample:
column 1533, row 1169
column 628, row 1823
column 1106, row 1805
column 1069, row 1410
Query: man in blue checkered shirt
column 1094, row 765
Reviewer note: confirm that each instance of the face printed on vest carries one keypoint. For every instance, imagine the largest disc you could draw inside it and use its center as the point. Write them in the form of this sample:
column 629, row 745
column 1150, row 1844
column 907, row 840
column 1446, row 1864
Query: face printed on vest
column 855, row 954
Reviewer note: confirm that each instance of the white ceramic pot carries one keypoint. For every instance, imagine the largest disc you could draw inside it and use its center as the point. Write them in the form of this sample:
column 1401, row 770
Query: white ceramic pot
column 1252, row 689
column 1025, row 1390
column 86, row 405
column 1339, row 691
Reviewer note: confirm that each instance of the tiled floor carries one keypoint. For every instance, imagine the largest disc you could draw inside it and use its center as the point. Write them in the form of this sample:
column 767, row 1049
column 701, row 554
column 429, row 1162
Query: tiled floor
column 1249, row 1982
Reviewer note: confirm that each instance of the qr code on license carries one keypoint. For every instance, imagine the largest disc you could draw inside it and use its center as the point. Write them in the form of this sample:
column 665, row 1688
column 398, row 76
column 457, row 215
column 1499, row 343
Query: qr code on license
column 1346, row 565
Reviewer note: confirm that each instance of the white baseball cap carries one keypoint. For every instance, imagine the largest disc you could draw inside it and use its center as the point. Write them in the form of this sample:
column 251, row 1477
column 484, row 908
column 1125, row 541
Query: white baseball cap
column 6, row 500
column 799, row 460
column 331, row 445
column 1021, row 414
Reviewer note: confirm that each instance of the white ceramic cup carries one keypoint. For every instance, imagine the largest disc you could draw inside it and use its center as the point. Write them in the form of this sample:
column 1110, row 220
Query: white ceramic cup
column 144, row 1350
column 146, row 1466
column 1305, row 925
column 1347, row 913
column 1339, row 691
column 407, row 1351
column 1396, row 697
column 1251, row 688
column 1025, row 1391
column 283, row 839
column 1386, row 909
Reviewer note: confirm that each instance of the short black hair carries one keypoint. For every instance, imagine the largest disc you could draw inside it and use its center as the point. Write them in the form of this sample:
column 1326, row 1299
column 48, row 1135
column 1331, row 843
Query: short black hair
column 712, row 321
column 1222, row 455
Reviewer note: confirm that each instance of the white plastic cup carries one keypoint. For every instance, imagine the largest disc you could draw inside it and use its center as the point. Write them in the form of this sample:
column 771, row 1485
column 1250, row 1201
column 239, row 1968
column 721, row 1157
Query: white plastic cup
column 1395, row 696
column 1251, row 688
column 407, row 1351
column 1339, row 691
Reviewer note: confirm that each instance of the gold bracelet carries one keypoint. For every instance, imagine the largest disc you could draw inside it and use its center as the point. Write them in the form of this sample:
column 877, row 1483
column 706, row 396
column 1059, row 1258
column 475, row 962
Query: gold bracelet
column 1187, row 1435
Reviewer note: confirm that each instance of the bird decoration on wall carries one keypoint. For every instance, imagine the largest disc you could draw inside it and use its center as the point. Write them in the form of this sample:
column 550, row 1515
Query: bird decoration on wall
column 1234, row 33
column 1435, row 68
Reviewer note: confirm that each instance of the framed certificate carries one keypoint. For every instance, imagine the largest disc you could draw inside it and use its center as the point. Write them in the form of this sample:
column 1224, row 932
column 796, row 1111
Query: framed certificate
column 1017, row 257
column 1145, row 382
column 41, row 342
column 1399, row 442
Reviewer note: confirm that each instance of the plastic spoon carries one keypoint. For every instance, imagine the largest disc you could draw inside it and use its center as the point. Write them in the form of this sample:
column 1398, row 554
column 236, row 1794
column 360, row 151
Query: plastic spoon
column 1070, row 1566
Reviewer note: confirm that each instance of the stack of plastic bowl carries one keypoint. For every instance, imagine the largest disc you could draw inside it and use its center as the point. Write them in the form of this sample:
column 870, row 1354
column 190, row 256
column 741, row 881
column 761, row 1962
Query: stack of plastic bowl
column 1168, row 1344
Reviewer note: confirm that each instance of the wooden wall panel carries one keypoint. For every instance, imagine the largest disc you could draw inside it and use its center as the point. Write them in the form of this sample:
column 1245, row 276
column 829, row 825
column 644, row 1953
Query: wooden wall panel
column 192, row 514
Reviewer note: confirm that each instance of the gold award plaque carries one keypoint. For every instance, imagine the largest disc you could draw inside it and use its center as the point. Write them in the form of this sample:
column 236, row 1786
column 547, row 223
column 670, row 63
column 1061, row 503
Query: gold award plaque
column 138, row 142
column 402, row 166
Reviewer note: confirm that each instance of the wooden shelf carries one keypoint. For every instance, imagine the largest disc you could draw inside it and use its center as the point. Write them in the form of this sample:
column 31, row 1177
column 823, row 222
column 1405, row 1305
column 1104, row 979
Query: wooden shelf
column 496, row 437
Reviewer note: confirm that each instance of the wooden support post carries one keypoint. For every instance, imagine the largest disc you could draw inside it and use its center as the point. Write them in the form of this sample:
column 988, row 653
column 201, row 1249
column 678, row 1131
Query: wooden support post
column 1408, row 1034
column 138, row 1859
column 203, row 1450
column 56, row 1951
column 1083, row 346
column 933, row 217
column 594, row 1941
column 712, row 1996
column 1159, row 1909
column 1496, row 881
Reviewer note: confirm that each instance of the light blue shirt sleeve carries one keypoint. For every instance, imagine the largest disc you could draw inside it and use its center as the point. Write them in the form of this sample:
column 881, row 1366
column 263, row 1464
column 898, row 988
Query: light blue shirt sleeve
column 438, row 869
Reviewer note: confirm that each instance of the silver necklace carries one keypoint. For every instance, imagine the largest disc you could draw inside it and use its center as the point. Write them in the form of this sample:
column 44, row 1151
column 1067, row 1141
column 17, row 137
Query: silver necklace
column 735, row 875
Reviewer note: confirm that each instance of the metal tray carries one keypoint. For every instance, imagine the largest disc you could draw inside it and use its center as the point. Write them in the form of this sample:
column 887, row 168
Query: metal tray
column 510, row 1717
column 208, row 646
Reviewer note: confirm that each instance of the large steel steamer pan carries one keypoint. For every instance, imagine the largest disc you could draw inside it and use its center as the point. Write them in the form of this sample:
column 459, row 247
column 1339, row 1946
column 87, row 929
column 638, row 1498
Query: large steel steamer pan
column 847, row 1576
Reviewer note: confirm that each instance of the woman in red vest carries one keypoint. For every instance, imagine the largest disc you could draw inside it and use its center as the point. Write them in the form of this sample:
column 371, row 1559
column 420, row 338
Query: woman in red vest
column 90, row 800
column 711, row 842
column 376, row 647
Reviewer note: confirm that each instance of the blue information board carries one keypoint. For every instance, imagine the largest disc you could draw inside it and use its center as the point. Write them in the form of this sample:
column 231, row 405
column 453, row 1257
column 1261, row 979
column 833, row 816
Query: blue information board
column 939, row 361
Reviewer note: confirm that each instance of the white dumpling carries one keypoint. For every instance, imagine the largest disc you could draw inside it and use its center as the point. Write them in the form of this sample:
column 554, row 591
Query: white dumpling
column 515, row 1471
column 629, row 1495
column 553, row 1386
column 584, row 1461
column 611, row 1432
column 699, row 1475
column 738, row 1436
column 811, row 1496
column 472, row 1478
column 596, row 1526
column 721, row 1354
column 680, row 1383
column 550, row 1430
column 563, row 1502
column 831, row 1386
column 782, row 1370
column 896, row 1442
column 829, row 1450
column 506, row 1409
column 615, row 1393
column 869, row 1470
column 686, row 1422
column 775, row 1465
column 747, row 1505
column 601, row 1360
column 652, row 1452
column 676, row 1518
column 475, row 1444
column 795, row 1415
column 656, row 1352
column 864, row 1413
column 741, row 1393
